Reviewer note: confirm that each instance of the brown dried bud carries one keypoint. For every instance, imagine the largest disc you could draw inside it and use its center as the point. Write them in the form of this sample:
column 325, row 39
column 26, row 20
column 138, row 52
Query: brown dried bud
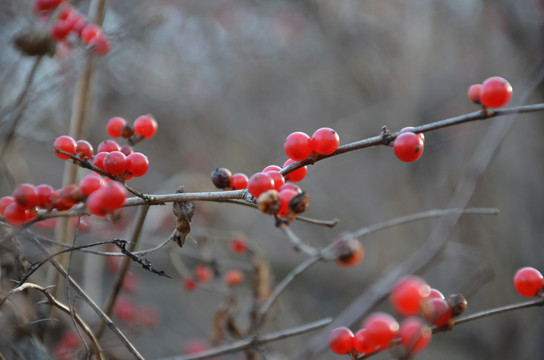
column 269, row 202
column 347, row 250
column 34, row 42
column 299, row 203
column 457, row 303
column 221, row 178
column 127, row 131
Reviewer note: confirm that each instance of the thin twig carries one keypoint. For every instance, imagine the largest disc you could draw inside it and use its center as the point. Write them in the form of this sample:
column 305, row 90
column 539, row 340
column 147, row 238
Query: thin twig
column 255, row 341
column 297, row 242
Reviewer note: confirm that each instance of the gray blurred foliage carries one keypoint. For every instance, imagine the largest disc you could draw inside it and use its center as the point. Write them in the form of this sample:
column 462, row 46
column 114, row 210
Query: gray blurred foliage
column 228, row 80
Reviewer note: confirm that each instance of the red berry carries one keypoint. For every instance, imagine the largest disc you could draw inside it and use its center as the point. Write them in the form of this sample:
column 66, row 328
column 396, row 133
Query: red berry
column 528, row 282
column 98, row 160
column 90, row 183
column 44, row 192
column 4, row 202
column 325, row 141
column 298, row 146
column 238, row 181
column 114, row 126
column 108, row 146
column 148, row 316
column 70, row 339
column 435, row 294
column 362, row 344
column 131, row 283
column 290, row 186
column 237, row 245
column 436, row 311
column 415, row 336
column 60, row 29
column 410, row 128
column 189, row 284
column 298, row 174
column 137, row 164
column 408, row 147
column 341, row 340
column 89, row 32
column 66, row 144
column 495, row 92
column 145, row 125
column 107, row 199
column 26, row 195
column 407, row 295
column 115, row 163
column 278, row 178
column 259, row 183
column 15, row 214
column 285, row 198
column 101, row 44
column 84, row 150
column 233, row 277
column 203, row 273
column 272, row 168
column 474, row 93
column 127, row 150
column 381, row 329
column 125, row 310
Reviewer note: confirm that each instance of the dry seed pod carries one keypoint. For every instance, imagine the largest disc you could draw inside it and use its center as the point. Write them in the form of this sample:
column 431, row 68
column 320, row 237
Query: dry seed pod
column 33, row 42
column 221, row 178
column 269, row 202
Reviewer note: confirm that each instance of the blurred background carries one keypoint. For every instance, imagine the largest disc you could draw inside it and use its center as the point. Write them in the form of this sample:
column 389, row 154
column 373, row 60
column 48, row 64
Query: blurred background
column 228, row 80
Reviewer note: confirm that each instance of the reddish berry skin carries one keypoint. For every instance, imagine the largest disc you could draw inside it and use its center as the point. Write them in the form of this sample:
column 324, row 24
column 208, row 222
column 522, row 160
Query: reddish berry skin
column 298, row 174
column 114, row 126
column 44, row 192
column 108, row 146
column 341, row 340
column 84, row 150
column 381, row 329
column 66, row 144
column 89, row 32
column 233, row 277
column 435, row 294
column 528, row 282
column 125, row 310
column 298, row 146
column 495, row 92
column 26, row 195
column 415, row 336
column 354, row 255
column 115, row 163
column 474, row 93
column 238, row 246
column 148, row 316
column 127, row 150
column 407, row 295
column 107, row 199
column 145, row 125
column 60, row 30
column 203, row 273
column 290, row 186
column 4, row 202
column 259, row 183
column 408, row 147
column 189, row 284
column 101, row 44
column 272, row 168
column 285, row 197
column 98, row 160
column 278, row 178
column 436, row 311
column 15, row 214
column 410, row 128
column 325, row 141
column 90, row 183
column 238, row 181
column 362, row 344
column 137, row 164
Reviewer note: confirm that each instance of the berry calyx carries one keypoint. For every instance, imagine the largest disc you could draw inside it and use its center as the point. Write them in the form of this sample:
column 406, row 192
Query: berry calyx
column 259, row 183
column 298, row 146
column 115, row 126
column 66, row 144
column 341, row 340
column 474, row 92
column 325, row 141
column 415, row 336
column 296, row 175
column 407, row 295
column 137, row 164
column 146, row 126
column 408, row 147
column 495, row 92
column 528, row 282
column 238, row 181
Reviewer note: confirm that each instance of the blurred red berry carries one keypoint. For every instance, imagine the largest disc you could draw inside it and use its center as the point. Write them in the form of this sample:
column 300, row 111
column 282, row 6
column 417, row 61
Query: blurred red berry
column 341, row 340
column 298, row 174
column 114, row 126
column 108, row 146
column 66, row 144
column 233, row 277
column 528, row 281
column 145, row 125
column 415, row 336
column 495, row 92
column 259, row 183
column 84, row 150
column 25, row 195
column 407, row 295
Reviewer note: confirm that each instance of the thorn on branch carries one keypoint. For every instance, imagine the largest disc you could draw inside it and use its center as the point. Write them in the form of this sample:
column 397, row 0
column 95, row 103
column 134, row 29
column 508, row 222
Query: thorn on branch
column 146, row 264
column 386, row 135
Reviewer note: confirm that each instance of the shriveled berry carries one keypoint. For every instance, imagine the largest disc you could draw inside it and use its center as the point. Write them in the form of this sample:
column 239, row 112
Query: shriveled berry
column 298, row 146
column 325, row 141
column 145, row 125
column 114, row 126
column 221, row 178
column 341, row 340
column 66, row 144
column 348, row 251
column 458, row 304
column 238, row 181
column 269, row 202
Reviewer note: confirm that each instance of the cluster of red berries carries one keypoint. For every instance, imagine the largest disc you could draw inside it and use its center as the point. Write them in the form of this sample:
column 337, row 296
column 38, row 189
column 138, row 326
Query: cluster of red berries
column 70, row 21
column 529, row 282
column 299, row 146
column 494, row 92
column 68, row 346
column 204, row 274
column 131, row 314
column 410, row 297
